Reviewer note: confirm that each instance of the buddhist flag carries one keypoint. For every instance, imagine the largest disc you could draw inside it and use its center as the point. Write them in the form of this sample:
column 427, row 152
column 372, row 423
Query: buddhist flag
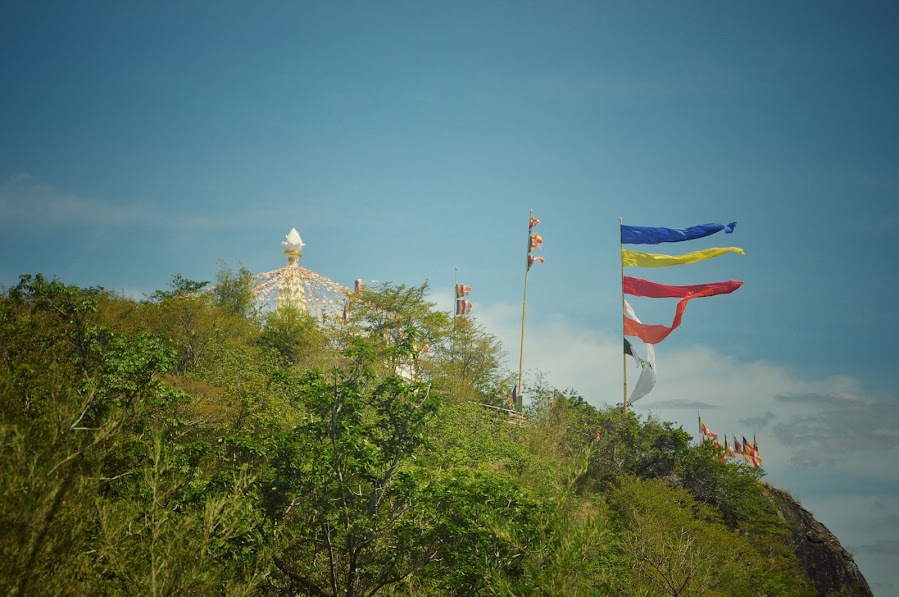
column 647, row 380
column 534, row 259
column 346, row 312
column 513, row 397
column 535, row 241
column 637, row 259
column 462, row 290
column 645, row 235
column 705, row 431
column 747, row 450
column 653, row 334
column 738, row 446
column 756, row 457
column 728, row 449
column 463, row 307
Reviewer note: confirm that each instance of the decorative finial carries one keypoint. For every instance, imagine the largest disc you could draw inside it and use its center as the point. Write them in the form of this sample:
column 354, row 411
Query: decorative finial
column 292, row 243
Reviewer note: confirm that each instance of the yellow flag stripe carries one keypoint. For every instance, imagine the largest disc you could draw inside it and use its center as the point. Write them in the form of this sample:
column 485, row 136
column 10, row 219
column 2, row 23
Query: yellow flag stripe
column 637, row 259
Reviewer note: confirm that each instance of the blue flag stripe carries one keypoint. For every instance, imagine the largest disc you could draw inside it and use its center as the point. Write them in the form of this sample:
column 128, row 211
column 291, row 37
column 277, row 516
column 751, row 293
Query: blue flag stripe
column 645, row 235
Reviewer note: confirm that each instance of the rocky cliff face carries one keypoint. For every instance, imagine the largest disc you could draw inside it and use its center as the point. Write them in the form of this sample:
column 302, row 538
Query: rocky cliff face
column 827, row 564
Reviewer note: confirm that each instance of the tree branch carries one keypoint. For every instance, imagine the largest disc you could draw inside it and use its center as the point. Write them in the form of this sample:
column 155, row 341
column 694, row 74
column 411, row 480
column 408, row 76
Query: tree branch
column 307, row 584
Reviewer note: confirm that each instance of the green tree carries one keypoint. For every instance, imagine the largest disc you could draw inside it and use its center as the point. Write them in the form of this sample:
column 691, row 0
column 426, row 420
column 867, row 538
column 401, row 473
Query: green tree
column 296, row 339
column 198, row 322
column 573, row 548
column 233, row 291
column 623, row 444
column 392, row 313
column 50, row 321
column 177, row 446
column 678, row 546
column 170, row 529
column 64, row 436
column 336, row 499
column 180, row 287
column 473, row 530
column 474, row 359
column 746, row 505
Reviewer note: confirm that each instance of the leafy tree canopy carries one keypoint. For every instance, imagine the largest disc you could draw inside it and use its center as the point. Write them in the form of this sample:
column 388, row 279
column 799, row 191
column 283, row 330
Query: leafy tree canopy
column 190, row 444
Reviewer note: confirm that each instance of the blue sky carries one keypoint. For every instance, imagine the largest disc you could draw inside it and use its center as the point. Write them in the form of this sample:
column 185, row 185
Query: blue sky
column 406, row 139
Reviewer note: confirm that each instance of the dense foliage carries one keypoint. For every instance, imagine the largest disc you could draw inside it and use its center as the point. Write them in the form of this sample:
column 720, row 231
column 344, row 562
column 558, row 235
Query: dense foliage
column 191, row 444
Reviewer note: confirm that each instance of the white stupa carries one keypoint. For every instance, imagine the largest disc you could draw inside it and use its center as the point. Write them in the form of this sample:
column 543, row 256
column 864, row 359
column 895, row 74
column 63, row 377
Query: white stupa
column 308, row 292
column 295, row 287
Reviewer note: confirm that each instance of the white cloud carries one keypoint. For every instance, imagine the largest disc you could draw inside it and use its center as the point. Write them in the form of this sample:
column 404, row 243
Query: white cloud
column 758, row 422
column 25, row 198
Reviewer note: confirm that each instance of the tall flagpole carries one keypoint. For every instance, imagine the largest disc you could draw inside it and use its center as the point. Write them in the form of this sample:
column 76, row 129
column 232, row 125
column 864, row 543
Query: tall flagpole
column 455, row 292
column 524, row 304
column 453, row 314
column 623, row 315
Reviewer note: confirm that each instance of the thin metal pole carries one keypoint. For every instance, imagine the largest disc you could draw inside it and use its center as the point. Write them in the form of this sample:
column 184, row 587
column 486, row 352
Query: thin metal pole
column 455, row 289
column 623, row 315
column 524, row 304
column 453, row 314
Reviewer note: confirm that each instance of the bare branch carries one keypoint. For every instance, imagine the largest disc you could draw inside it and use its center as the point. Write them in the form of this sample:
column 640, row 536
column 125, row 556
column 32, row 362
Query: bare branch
column 307, row 584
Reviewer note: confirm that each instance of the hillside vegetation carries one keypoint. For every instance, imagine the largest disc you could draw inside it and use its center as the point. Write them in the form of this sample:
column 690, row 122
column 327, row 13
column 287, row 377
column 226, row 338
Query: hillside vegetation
column 188, row 444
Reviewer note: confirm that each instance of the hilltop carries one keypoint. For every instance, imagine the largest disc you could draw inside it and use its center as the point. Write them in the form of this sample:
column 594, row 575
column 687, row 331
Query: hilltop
column 191, row 444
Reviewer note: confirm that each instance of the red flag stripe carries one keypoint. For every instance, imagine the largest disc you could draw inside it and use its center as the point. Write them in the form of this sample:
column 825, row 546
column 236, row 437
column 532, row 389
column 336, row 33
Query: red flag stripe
column 639, row 287
column 653, row 334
